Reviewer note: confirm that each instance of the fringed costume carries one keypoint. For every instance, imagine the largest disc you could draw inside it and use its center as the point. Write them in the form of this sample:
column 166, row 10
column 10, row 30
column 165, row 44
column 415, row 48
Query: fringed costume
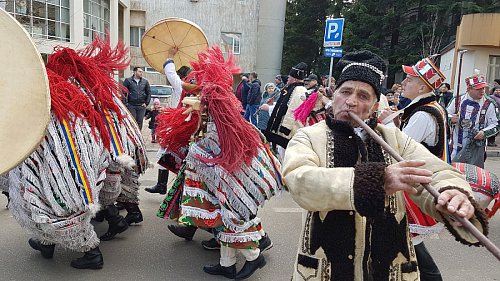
column 91, row 150
column 227, row 172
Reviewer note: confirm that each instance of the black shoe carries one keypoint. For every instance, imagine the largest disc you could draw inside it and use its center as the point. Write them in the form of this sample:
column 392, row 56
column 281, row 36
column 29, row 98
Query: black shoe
column 218, row 269
column 161, row 185
column 114, row 229
column 250, row 267
column 265, row 243
column 119, row 206
column 91, row 260
column 211, row 244
column 47, row 251
column 183, row 231
column 117, row 224
column 99, row 216
column 161, row 189
column 134, row 214
column 134, row 217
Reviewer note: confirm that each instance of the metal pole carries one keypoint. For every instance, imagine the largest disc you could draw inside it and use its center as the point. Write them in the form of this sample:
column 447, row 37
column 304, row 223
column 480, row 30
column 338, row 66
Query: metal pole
column 465, row 222
column 330, row 73
column 457, row 98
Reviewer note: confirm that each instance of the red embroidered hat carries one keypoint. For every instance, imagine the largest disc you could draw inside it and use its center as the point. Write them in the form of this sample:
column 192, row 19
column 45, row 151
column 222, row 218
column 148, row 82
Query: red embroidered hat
column 427, row 71
column 476, row 81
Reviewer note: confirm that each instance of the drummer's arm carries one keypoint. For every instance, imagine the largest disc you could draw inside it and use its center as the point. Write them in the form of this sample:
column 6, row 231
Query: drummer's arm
column 174, row 80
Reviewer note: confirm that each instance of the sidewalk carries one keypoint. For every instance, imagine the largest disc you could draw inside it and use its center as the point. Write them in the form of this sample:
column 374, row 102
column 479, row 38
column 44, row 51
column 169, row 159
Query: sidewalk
column 146, row 134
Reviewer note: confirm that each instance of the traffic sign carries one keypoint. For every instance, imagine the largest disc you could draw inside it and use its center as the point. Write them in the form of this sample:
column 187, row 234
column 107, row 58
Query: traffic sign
column 333, row 32
column 333, row 52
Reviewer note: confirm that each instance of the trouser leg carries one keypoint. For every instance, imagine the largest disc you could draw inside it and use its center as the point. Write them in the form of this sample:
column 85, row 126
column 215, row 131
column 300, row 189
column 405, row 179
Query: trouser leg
column 426, row 265
column 250, row 254
column 227, row 256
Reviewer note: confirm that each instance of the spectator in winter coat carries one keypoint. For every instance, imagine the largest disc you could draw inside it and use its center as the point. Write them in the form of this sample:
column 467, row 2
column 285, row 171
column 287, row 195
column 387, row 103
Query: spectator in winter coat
column 138, row 96
column 253, row 99
column 242, row 90
column 151, row 114
column 270, row 92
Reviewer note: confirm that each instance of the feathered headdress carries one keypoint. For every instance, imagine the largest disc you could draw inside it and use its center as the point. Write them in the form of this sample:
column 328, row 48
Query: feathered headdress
column 238, row 139
column 82, row 83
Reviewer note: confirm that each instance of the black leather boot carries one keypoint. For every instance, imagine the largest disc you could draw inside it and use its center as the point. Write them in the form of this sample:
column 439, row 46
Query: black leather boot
column 183, row 231
column 99, row 216
column 47, row 251
column 92, row 260
column 161, row 185
column 134, row 214
column 250, row 267
column 117, row 224
column 218, row 269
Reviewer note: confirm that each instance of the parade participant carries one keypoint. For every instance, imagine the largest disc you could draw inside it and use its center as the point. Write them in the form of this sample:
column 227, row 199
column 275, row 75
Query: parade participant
column 355, row 224
column 281, row 123
column 475, row 119
column 91, row 153
column 425, row 121
column 227, row 172
column 311, row 84
column 175, row 79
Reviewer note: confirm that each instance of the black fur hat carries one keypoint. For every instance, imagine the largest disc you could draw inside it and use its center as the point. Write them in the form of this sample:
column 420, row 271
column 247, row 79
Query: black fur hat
column 299, row 71
column 363, row 66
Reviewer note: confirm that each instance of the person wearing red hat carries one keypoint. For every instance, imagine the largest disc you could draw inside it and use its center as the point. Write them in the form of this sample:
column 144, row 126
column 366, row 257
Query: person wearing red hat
column 424, row 120
column 474, row 120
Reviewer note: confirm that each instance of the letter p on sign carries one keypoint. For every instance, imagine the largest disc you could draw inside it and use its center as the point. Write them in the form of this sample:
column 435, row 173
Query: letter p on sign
column 333, row 32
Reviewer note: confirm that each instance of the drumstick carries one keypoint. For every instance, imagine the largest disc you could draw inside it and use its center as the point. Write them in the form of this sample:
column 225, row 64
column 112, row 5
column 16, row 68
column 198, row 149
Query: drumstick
column 465, row 222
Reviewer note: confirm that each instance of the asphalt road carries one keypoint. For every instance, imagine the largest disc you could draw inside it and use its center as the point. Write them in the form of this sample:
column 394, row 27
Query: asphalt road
column 150, row 252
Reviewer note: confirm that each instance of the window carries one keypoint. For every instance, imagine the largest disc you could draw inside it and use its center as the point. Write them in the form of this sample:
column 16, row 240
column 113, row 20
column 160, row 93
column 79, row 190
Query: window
column 493, row 68
column 96, row 17
column 136, row 33
column 47, row 19
column 230, row 42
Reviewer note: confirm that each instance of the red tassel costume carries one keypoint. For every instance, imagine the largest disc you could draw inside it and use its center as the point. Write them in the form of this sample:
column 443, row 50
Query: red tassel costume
column 91, row 145
column 228, row 172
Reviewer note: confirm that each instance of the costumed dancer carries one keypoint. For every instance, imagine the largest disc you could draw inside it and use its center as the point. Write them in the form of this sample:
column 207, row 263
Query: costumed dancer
column 175, row 79
column 475, row 118
column 425, row 121
column 355, row 224
column 281, row 126
column 227, row 172
column 90, row 152
column 313, row 109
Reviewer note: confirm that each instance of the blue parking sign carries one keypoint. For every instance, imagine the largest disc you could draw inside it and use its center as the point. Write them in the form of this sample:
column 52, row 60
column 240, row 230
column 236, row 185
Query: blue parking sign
column 333, row 32
column 333, row 52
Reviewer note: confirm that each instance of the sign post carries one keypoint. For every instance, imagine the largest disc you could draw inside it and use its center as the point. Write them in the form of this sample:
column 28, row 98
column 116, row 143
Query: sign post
column 333, row 38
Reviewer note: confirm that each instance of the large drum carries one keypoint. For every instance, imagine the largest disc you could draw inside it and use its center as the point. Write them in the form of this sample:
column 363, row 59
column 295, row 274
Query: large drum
column 169, row 33
column 24, row 91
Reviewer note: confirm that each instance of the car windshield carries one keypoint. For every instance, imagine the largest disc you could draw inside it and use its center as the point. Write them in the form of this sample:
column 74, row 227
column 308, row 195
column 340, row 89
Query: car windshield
column 160, row 91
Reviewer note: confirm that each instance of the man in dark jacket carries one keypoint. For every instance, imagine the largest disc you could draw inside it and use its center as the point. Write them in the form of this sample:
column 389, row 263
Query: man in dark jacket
column 253, row 99
column 138, row 96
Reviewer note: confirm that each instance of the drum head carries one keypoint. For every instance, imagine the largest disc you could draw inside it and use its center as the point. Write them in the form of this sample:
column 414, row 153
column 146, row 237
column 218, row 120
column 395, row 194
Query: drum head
column 169, row 33
column 24, row 92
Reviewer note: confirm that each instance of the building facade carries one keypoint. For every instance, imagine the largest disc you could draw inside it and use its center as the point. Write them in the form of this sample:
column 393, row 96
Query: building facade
column 70, row 23
column 477, row 46
column 252, row 29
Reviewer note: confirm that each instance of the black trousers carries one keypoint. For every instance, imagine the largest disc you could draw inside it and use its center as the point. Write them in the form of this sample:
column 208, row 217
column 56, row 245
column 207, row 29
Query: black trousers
column 426, row 265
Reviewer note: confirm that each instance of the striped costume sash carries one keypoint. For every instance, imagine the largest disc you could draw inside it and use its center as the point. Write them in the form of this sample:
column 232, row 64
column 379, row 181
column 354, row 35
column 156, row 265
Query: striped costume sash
column 81, row 175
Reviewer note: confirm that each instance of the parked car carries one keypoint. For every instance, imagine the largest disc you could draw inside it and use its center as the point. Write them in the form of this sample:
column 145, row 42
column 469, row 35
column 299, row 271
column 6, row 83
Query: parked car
column 163, row 93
